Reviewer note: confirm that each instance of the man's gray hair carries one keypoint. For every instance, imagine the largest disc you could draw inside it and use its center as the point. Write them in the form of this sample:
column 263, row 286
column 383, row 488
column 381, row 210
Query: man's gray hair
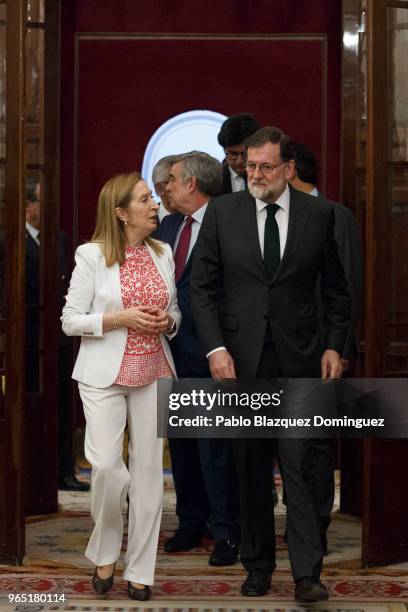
column 206, row 169
column 162, row 168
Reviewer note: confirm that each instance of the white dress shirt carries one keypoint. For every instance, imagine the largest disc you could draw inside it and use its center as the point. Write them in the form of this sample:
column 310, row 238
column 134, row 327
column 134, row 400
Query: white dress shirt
column 282, row 219
column 198, row 216
column 237, row 181
column 34, row 232
column 314, row 192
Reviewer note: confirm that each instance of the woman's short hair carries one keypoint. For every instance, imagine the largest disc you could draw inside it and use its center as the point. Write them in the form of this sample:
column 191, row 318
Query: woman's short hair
column 109, row 230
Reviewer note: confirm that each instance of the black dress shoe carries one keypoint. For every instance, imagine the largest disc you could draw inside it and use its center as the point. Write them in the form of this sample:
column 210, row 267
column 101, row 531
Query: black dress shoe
column 257, row 583
column 181, row 541
column 224, row 553
column 70, row 483
column 310, row 589
column 139, row 594
column 102, row 585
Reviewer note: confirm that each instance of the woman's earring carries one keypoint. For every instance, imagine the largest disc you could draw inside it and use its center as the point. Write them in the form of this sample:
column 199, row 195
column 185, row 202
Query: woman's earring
column 125, row 222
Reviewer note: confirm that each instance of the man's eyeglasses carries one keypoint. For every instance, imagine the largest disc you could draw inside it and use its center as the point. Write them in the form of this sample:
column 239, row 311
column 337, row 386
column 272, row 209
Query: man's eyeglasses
column 264, row 168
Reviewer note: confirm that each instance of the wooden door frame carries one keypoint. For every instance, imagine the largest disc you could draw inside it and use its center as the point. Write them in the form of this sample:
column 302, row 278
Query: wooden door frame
column 377, row 215
column 12, row 549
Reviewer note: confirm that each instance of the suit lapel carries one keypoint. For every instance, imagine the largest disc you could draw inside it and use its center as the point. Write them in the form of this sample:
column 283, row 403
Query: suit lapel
column 249, row 227
column 226, row 179
column 113, row 276
column 189, row 263
column 177, row 222
column 298, row 216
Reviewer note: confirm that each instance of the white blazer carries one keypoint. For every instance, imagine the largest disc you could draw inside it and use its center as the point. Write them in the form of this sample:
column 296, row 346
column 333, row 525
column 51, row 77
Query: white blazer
column 95, row 290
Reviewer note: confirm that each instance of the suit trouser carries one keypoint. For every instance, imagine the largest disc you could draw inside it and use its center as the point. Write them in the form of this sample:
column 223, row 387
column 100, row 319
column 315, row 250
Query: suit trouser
column 323, row 468
column 206, row 486
column 192, row 505
column 255, row 458
column 221, row 482
column 324, row 486
column 106, row 412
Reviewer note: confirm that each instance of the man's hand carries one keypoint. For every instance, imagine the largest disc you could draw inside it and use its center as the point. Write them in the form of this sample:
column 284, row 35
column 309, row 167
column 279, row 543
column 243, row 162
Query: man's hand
column 331, row 365
column 345, row 363
column 221, row 365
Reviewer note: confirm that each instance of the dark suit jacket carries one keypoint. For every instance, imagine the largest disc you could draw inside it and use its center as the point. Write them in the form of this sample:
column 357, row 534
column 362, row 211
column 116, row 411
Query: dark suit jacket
column 237, row 314
column 32, row 262
column 347, row 235
column 188, row 358
column 226, row 180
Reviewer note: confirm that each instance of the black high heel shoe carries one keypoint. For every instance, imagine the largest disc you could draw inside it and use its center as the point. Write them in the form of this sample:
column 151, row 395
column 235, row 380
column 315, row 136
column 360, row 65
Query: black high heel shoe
column 139, row 594
column 102, row 585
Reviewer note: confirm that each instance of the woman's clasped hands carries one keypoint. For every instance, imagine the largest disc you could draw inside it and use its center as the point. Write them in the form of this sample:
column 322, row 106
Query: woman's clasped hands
column 148, row 319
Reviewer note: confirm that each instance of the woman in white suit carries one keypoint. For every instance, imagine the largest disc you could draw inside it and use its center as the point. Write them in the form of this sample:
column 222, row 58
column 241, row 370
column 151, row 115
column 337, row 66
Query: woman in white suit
column 122, row 302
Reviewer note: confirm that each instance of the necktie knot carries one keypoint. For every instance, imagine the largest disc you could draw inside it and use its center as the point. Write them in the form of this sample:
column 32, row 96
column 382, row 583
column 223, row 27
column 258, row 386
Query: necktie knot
column 189, row 221
column 272, row 209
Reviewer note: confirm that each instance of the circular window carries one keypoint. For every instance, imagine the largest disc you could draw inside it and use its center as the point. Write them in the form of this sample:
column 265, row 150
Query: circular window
column 196, row 130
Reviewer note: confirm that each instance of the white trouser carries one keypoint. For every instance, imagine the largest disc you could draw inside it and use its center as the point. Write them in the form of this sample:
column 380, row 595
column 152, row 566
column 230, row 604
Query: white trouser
column 106, row 412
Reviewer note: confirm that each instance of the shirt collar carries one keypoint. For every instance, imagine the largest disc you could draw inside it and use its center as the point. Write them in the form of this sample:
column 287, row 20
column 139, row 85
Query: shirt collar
column 33, row 231
column 282, row 201
column 314, row 192
column 198, row 215
column 234, row 174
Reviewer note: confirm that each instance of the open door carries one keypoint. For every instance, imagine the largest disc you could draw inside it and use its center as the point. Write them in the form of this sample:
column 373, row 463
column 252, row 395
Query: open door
column 28, row 150
column 41, row 260
column 375, row 185
column 385, row 496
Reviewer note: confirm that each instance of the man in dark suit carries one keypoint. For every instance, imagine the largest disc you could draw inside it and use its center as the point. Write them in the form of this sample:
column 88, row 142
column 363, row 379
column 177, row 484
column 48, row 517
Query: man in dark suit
column 347, row 235
column 346, row 232
column 66, row 470
column 266, row 248
column 203, row 469
column 32, row 263
column 231, row 137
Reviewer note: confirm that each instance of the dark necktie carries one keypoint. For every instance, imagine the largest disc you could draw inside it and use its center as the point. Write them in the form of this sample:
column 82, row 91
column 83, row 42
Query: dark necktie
column 271, row 241
column 180, row 256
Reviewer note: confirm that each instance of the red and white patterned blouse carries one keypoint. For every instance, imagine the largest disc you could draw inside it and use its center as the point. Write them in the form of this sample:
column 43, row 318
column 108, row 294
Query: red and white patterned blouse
column 141, row 284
